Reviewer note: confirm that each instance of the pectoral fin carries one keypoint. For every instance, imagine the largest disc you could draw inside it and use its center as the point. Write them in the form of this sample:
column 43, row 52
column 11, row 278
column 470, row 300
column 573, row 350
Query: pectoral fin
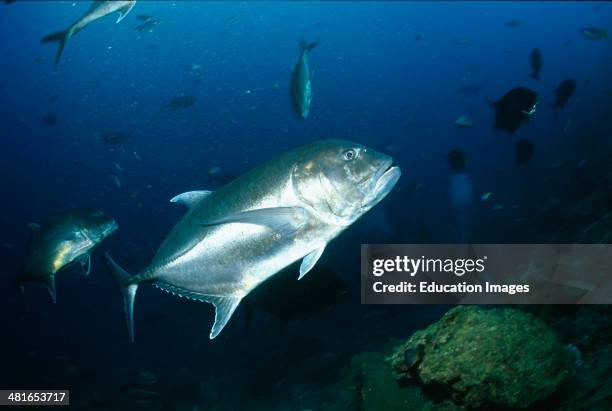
column 86, row 261
column 190, row 198
column 224, row 308
column 125, row 10
column 309, row 261
column 285, row 220
column 50, row 284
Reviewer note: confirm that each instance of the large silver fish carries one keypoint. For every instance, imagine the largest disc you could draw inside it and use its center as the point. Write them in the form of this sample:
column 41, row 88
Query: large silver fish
column 301, row 82
column 66, row 239
column 287, row 209
column 99, row 9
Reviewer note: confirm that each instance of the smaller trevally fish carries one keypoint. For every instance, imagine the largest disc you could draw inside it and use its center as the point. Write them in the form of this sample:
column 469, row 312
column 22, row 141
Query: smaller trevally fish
column 66, row 239
column 301, row 82
column 594, row 33
column 464, row 121
column 99, row 9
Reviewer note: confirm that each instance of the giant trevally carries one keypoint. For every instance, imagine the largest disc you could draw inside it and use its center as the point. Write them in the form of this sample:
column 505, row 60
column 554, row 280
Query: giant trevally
column 301, row 81
column 233, row 239
column 68, row 238
column 99, row 9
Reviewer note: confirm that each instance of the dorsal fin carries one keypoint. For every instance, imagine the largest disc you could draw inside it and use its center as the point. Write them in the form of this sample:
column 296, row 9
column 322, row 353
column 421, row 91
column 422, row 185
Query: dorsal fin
column 190, row 198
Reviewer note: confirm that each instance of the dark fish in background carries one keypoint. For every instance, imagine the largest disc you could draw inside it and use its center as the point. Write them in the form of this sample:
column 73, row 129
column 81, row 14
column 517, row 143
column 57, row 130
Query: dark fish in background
column 9, row 1
column 301, row 76
column 49, row 119
column 563, row 92
column 459, row 42
column 594, row 33
column 287, row 299
column 460, row 192
column 53, row 98
column 567, row 43
column 181, row 102
column 217, row 180
column 513, row 23
column 147, row 26
column 470, row 89
column 524, row 151
column 456, row 160
column 536, row 63
column 511, row 52
column 144, row 17
column 515, row 108
column 68, row 238
column 97, row 10
column 113, row 137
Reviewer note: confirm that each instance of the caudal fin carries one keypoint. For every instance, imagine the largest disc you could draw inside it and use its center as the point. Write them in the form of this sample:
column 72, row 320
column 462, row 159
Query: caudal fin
column 307, row 46
column 61, row 37
column 129, row 292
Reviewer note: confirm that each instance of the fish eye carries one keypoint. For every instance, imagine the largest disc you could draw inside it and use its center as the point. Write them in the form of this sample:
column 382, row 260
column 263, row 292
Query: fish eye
column 349, row 154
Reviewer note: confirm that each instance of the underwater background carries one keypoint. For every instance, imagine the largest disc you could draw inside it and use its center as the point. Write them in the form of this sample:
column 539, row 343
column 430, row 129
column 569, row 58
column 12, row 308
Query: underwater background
column 394, row 76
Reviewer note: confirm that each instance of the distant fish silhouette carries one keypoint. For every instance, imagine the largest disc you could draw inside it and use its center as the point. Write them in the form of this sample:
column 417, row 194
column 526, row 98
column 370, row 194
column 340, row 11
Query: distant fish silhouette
column 97, row 10
column 563, row 92
column 181, row 102
column 536, row 63
column 113, row 137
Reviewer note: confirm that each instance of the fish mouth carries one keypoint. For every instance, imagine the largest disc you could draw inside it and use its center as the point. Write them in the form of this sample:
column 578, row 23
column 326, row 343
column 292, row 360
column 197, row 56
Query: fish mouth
column 384, row 180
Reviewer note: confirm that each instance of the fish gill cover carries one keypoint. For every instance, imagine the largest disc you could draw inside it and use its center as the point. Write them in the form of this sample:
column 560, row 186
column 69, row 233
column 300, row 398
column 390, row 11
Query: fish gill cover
column 121, row 106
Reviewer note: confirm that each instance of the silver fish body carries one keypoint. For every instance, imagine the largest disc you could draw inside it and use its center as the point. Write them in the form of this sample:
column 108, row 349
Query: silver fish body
column 98, row 9
column 301, row 82
column 287, row 209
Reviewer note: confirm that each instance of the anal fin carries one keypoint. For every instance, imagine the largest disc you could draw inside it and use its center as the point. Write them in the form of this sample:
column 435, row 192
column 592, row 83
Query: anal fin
column 224, row 305
column 224, row 308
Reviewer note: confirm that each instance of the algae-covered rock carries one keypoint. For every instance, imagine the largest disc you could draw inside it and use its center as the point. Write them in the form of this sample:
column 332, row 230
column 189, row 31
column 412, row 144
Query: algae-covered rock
column 369, row 376
column 476, row 357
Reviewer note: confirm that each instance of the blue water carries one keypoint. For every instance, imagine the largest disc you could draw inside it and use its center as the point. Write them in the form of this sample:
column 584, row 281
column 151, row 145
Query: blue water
column 375, row 82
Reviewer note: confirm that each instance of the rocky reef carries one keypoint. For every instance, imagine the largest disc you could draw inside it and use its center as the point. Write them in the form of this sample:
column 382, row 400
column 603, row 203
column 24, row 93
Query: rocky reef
column 479, row 357
column 553, row 358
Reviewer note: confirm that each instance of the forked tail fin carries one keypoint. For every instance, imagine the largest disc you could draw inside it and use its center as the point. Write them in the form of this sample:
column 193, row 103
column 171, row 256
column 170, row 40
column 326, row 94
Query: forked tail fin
column 127, row 289
column 61, row 37
column 307, row 46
